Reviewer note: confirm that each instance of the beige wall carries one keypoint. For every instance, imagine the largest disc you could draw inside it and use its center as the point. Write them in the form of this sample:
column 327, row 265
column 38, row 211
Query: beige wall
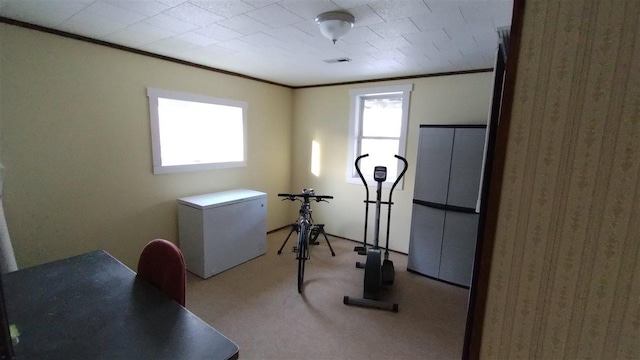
column 75, row 141
column 76, row 145
column 322, row 114
column 565, row 276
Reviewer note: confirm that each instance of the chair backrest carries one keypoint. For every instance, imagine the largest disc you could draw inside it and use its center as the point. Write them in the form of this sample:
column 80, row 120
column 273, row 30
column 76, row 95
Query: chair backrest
column 162, row 264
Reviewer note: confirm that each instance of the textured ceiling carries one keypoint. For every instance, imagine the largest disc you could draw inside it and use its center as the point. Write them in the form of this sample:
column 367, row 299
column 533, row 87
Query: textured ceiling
column 279, row 41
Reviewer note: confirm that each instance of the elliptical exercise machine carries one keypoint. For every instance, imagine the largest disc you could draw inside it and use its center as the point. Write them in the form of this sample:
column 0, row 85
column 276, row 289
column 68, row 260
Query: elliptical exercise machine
column 377, row 272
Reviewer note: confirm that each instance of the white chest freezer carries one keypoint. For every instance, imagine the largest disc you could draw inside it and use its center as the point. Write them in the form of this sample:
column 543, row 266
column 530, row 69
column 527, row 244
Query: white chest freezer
column 221, row 230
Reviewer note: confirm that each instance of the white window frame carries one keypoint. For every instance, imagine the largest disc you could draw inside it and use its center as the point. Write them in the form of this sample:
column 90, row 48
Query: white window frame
column 158, row 168
column 355, row 128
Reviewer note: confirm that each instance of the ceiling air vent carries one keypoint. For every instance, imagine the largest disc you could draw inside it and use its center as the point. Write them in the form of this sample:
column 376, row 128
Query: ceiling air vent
column 338, row 60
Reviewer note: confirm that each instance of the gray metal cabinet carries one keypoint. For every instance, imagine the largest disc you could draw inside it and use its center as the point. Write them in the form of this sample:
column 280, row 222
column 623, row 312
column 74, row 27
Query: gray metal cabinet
column 466, row 167
column 426, row 240
column 458, row 247
column 444, row 223
column 434, row 164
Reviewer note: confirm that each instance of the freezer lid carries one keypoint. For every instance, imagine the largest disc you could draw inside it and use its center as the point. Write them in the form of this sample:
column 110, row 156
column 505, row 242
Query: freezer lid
column 222, row 198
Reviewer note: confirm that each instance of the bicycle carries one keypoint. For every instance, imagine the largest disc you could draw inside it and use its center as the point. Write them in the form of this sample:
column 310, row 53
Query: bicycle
column 308, row 232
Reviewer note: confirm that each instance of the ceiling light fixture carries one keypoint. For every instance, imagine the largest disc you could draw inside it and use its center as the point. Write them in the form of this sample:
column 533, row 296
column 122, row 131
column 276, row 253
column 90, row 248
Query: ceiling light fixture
column 335, row 24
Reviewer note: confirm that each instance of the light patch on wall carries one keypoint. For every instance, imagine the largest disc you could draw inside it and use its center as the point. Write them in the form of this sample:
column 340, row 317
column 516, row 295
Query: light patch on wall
column 315, row 158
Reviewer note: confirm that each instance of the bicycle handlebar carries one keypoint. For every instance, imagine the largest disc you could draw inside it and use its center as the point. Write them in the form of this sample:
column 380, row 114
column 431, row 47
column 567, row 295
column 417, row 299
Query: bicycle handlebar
column 306, row 196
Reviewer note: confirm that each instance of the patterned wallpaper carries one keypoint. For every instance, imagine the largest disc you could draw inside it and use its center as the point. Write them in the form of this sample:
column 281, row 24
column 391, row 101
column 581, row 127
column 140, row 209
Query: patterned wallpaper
column 565, row 276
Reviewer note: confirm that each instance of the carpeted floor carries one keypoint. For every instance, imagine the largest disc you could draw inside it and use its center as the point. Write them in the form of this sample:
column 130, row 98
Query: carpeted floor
column 258, row 307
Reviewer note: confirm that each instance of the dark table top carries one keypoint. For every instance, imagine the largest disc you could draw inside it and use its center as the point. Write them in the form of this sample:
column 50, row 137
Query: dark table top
column 91, row 306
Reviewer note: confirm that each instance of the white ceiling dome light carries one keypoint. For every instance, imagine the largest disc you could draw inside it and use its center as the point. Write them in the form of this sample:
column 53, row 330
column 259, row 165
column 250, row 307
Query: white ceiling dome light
column 335, row 24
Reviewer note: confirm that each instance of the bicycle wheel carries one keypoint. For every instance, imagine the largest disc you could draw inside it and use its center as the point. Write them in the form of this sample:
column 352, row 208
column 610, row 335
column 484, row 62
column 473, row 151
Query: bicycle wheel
column 303, row 252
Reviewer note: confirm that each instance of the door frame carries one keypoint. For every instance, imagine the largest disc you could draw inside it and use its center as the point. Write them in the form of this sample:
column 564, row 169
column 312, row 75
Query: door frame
column 498, row 129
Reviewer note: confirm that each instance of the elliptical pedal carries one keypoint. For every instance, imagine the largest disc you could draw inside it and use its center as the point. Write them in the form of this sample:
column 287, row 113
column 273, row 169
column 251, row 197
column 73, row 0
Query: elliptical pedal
column 388, row 272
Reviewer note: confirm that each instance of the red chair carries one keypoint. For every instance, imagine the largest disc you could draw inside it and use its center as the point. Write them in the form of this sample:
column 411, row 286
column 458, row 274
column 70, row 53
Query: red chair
column 162, row 264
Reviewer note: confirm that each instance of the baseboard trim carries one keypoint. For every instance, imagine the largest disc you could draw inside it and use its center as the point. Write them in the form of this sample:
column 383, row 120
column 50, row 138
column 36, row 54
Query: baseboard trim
column 436, row 279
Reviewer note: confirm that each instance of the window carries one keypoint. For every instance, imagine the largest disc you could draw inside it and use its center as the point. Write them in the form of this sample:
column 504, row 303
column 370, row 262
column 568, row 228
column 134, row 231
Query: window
column 378, row 127
column 194, row 132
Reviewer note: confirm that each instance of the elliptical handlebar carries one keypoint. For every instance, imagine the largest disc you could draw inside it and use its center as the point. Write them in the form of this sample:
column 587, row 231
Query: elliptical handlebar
column 366, row 201
column 404, row 170
column 406, row 165
column 360, row 172
column 364, row 181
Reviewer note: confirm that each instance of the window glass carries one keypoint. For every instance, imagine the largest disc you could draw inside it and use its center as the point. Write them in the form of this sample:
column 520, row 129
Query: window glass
column 378, row 127
column 382, row 116
column 380, row 154
column 192, row 132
